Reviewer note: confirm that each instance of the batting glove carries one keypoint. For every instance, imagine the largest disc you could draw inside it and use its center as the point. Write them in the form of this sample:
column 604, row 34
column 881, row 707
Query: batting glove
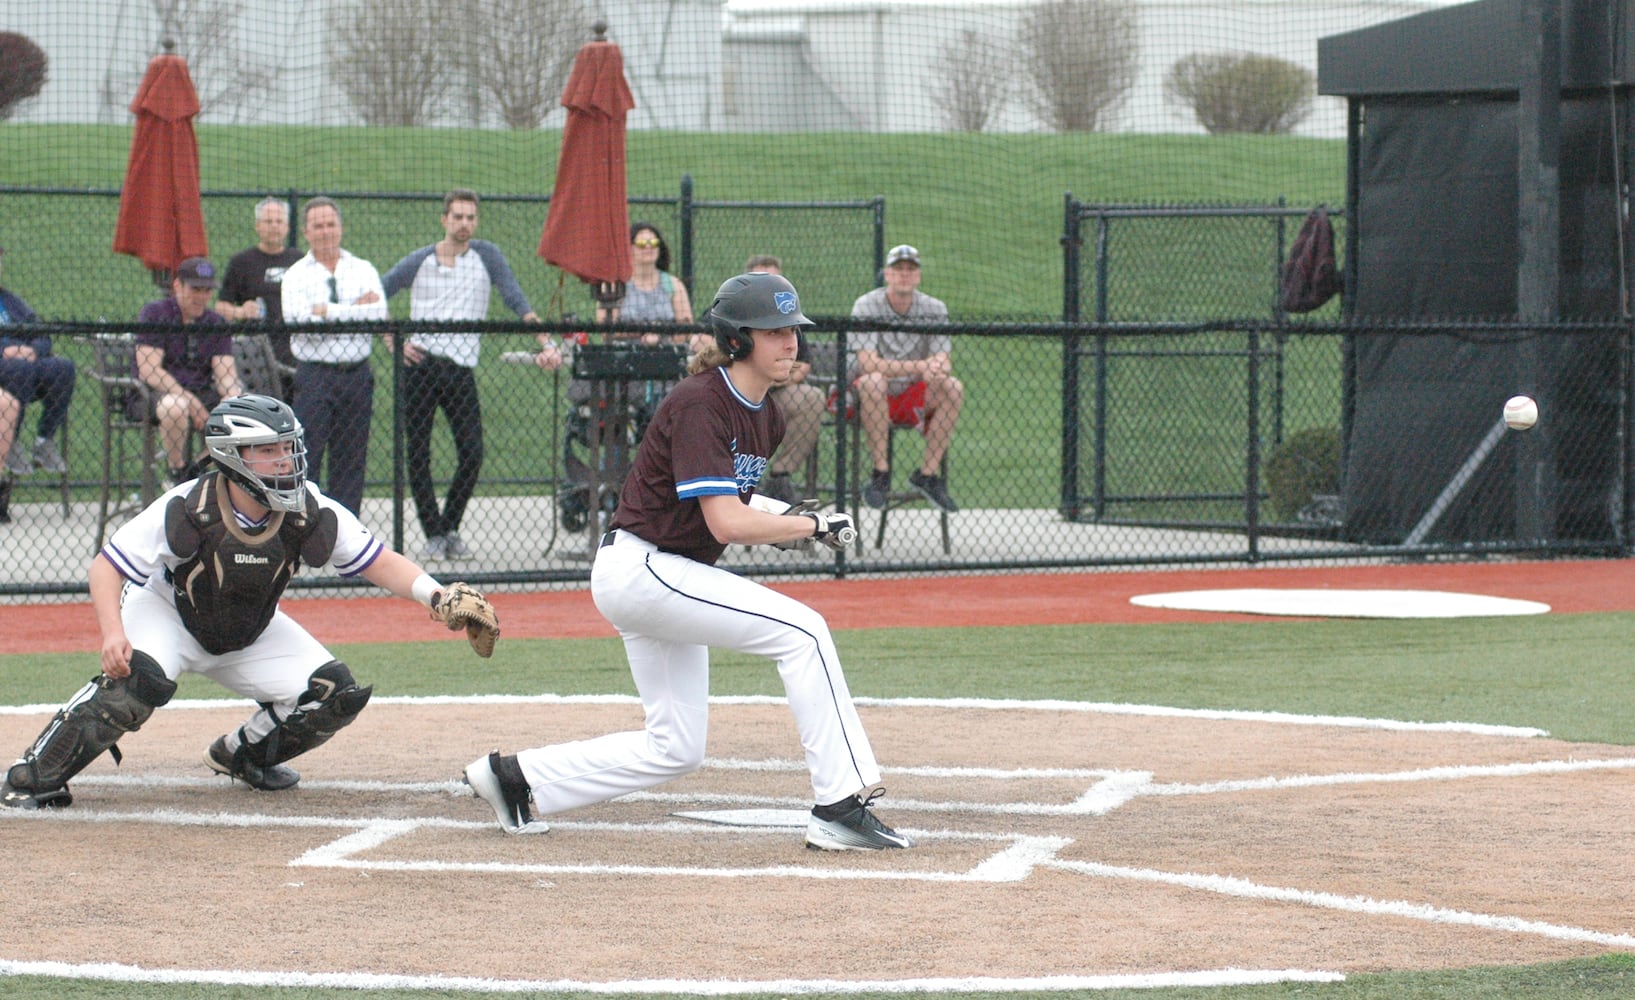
column 834, row 529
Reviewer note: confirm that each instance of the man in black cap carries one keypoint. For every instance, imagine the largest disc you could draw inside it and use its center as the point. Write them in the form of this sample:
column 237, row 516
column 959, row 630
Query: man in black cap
column 187, row 374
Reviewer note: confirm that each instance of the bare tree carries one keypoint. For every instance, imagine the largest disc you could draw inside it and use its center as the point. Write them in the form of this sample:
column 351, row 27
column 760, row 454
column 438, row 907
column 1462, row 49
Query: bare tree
column 22, row 71
column 1080, row 58
column 1242, row 92
column 973, row 81
column 391, row 58
column 521, row 53
column 230, row 81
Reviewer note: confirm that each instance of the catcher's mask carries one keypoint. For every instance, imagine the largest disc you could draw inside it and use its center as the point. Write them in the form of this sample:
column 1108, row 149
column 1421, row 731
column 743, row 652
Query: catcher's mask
column 749, row 302
column 250, row 420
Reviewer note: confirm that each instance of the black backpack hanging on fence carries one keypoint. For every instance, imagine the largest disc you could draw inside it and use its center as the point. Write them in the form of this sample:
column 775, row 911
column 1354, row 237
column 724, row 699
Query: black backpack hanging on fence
column 1311, row 277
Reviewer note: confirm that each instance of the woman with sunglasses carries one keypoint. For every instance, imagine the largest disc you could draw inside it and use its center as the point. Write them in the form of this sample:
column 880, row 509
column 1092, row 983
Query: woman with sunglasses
column 653, row 295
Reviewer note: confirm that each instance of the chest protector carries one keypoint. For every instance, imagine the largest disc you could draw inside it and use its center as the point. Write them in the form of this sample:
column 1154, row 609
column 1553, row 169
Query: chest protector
column 229, row 581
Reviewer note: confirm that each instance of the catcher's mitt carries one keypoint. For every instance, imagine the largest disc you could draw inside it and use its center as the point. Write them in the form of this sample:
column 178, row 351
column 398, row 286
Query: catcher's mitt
column 462, row 606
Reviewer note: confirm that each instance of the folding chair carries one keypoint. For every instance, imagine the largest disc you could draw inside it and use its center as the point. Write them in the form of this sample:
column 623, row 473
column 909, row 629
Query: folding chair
column 130, row 475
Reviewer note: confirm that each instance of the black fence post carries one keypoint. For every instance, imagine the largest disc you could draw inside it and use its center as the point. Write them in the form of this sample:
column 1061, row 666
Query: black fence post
column 1071, row 246
column 685, row 209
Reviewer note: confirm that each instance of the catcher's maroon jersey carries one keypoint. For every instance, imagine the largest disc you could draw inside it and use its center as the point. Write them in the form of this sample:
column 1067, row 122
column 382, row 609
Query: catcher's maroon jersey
column 706, row 439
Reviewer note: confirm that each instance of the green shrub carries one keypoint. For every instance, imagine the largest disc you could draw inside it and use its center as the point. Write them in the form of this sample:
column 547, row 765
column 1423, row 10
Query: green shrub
column 1242, row 92
column 1305, row 466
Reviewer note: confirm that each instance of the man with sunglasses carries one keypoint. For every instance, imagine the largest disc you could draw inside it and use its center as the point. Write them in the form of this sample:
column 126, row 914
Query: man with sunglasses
column 334, row 386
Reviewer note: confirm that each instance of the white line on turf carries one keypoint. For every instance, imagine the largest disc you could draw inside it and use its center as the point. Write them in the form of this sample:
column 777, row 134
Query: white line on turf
column 991, row 704
column 111, row 972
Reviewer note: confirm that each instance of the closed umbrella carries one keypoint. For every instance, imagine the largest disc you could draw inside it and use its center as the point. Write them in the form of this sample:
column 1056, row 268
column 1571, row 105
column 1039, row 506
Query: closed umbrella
column 587, row 226
column 161, row 220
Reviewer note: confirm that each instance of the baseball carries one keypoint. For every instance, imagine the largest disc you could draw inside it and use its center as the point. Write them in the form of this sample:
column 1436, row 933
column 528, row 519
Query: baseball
column 1520, row 412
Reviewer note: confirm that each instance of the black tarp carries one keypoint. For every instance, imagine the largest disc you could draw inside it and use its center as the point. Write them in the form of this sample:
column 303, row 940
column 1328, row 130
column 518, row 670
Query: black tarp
column 1435, row 217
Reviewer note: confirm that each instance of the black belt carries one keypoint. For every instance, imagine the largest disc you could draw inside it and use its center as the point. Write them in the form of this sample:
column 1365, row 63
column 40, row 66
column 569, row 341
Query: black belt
column 607, row 539
column 337, row 366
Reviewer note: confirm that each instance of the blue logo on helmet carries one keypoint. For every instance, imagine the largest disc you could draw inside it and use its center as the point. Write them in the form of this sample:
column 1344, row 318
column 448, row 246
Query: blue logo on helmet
column 786, row 302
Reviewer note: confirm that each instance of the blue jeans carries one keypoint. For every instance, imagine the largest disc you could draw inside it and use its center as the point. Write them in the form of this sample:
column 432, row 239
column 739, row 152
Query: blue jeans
column 49, row 380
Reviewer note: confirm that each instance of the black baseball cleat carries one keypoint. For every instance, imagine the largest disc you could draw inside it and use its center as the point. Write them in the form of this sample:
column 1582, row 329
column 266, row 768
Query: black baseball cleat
column 271, row 778
column 848, row 825
column 497, row 780
column 23, row 798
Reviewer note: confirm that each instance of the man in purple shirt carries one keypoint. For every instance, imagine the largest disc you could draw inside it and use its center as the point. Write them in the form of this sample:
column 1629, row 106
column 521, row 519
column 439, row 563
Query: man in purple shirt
column 187, row 374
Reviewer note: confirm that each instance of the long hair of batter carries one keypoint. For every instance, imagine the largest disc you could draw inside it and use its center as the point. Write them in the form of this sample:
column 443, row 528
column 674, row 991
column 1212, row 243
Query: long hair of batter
column 709, row 356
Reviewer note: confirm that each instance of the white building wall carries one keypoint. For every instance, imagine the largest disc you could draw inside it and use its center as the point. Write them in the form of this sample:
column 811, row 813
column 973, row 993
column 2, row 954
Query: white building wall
column 882, row 59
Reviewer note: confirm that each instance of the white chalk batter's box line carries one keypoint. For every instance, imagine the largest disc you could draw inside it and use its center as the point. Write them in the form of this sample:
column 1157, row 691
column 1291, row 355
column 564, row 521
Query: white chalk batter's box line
column 1015, row 861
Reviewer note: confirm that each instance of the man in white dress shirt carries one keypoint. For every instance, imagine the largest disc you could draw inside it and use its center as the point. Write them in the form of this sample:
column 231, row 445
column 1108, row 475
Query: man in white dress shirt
column 334, row 386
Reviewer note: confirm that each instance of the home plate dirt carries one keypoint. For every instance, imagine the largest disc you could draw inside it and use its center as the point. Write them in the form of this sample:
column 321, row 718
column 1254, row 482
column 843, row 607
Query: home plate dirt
column 1339, row 603
column 1059, row 845
column 1053, row 840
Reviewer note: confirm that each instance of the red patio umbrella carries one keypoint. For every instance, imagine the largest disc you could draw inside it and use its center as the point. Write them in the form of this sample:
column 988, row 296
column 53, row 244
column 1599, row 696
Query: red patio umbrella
column 587, row 228
column 161, row 221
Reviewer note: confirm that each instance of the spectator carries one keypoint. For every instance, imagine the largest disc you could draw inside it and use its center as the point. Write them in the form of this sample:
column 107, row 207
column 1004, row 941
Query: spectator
column 652, row 295
column 187, row 374
column 449, row 280
column 334, row 386
column 10, row 412
column 252, row 288
column 802, row 405
column 905, row 378
column 29, row 372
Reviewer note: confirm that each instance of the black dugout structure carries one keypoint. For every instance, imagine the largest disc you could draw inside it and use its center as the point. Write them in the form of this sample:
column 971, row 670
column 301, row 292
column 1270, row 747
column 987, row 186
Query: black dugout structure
column 1488, row 153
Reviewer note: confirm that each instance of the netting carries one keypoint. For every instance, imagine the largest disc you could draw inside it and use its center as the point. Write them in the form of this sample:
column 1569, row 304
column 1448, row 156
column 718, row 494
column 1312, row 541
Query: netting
column 1101, row 191
column 971, row 120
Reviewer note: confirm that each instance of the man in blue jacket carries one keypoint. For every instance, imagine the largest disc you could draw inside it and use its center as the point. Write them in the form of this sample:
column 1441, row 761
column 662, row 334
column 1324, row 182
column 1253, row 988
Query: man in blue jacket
column 449, row 280
column 29, row 372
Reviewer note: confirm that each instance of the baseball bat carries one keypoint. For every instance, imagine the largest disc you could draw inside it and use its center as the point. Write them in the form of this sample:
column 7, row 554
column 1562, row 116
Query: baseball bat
column 847, row 535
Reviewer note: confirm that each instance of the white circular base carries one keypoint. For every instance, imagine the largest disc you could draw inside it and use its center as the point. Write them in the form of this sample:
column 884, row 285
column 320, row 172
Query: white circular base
column 1343, row 603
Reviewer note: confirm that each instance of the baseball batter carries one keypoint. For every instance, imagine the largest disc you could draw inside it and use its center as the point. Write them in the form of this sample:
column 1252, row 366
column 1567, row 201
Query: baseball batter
column 205, row 566
column 690, row 494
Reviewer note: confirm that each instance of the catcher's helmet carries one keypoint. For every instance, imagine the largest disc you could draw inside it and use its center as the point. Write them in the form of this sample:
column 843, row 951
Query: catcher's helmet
column 247, row 420
column 754, row 301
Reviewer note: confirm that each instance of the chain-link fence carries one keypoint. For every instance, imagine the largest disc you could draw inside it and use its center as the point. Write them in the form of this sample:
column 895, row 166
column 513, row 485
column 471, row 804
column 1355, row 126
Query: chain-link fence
column 1191, row 444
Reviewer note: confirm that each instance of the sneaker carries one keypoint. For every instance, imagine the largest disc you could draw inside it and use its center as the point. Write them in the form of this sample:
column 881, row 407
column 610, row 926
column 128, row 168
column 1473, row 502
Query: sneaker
column 498, row 781
column 47, row 457
column 778, row 487
column 849, row 826
column 879, row 485
column 456, row 549
column 933, row 489
column 436, row 547
column 19, row 462
column 271, row 778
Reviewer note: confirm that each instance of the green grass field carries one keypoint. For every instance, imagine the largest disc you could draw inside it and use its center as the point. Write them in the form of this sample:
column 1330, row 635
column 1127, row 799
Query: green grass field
column 985, row 210
column 1567, row 674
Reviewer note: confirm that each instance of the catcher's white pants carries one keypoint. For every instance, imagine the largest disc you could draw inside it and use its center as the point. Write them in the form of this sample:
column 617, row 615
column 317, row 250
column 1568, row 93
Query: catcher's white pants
column 670, row 611
column 274, row 670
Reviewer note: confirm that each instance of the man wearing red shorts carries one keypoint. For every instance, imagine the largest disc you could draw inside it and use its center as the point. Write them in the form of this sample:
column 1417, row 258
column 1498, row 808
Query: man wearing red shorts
column 905, row 378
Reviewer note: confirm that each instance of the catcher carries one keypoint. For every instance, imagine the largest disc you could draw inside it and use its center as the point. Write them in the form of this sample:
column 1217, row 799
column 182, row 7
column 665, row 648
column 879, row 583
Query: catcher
column 192, row 584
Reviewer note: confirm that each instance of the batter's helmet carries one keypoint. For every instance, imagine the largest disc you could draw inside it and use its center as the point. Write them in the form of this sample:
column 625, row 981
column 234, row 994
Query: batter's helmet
column 754, row 301
column 248, row 420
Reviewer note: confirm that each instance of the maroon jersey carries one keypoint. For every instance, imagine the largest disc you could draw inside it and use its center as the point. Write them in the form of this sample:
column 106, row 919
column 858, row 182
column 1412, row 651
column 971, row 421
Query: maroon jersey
column 705, row 440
